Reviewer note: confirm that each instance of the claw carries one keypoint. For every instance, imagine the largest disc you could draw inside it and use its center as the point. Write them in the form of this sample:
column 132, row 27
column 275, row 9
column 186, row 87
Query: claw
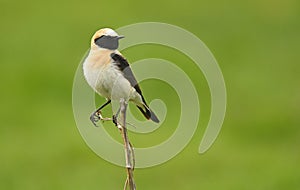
column 95, row 117
column 114, row 119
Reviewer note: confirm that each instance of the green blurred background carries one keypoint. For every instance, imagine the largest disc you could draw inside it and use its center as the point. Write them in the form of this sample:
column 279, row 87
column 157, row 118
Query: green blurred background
column 255, row 42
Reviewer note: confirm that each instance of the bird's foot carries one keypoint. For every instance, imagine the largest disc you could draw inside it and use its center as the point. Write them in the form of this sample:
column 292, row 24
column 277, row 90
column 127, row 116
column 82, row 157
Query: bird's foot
column 94, row 118
column 97, row 116
column 114, row 119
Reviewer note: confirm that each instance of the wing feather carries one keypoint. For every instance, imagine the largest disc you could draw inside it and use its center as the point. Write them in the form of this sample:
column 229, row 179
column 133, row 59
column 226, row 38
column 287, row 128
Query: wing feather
column 123, row 65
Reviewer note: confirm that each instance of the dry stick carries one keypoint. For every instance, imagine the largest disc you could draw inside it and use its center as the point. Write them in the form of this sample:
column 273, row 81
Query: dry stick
column 129, row 155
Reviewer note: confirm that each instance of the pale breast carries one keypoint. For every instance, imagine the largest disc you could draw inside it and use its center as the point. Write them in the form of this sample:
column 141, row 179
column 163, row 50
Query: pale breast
column 94, row 68
column 105, row 78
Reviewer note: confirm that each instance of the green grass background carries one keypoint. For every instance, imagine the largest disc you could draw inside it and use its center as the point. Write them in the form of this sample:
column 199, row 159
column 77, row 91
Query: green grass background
column 255, row 42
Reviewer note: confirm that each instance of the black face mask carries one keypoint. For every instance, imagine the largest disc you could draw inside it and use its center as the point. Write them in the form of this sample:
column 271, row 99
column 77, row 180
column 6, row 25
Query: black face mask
column 108, row 42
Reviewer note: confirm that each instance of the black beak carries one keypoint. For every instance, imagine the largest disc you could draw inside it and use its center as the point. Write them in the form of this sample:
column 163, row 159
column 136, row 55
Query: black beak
column 120, row 37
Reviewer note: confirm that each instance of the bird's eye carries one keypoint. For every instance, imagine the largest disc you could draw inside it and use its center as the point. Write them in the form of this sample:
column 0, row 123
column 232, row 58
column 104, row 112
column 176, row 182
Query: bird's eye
column 98, row 38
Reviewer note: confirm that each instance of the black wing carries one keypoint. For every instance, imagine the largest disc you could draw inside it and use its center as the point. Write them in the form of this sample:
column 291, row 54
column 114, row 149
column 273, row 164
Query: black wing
column 123, row 65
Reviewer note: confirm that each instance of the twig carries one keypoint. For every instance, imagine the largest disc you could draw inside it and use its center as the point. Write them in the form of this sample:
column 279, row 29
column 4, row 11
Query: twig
column 129, row 153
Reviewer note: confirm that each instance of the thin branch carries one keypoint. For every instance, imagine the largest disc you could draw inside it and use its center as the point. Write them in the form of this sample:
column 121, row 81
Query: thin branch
column 129, row 152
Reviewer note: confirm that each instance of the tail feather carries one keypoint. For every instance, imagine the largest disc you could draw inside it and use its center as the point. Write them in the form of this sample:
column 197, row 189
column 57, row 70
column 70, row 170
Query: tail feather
column 148, row 113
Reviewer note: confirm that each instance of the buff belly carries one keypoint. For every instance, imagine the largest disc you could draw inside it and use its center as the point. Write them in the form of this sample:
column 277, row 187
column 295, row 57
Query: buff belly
column 109, row 82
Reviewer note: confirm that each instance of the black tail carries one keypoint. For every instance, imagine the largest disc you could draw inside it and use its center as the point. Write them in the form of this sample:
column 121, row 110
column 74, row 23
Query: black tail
column 148, row 113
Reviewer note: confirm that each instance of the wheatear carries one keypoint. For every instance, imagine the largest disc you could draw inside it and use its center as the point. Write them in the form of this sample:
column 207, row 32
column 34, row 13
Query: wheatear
column 109, row 74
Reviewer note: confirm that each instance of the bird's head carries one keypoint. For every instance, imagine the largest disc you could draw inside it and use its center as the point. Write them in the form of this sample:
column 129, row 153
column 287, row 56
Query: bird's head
column 105, row 38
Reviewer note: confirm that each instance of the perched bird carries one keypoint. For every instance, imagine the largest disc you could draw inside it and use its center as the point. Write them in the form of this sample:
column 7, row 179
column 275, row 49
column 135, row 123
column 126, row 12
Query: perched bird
column 109, row 74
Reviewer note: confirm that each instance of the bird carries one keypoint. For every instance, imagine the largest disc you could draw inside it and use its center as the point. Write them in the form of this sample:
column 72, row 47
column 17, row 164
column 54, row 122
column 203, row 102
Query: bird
column 109, row 74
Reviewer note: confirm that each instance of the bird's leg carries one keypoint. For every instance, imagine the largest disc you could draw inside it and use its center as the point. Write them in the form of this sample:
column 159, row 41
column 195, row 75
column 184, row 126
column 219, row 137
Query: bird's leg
column 115, row 117
column 96, row 116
